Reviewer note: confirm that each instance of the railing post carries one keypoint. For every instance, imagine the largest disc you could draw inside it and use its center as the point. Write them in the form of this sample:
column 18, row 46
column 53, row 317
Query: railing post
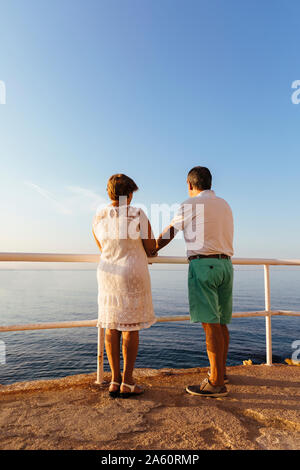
column 100, row 356
column 268, row 316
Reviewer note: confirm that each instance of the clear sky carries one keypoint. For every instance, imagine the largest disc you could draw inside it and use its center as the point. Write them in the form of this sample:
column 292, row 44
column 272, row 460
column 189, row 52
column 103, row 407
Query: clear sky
column 149, row 88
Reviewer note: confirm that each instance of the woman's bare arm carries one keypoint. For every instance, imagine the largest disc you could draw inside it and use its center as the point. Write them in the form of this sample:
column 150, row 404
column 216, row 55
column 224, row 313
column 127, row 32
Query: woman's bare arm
column 165, row 237
column 149, row 241
column 97, row 241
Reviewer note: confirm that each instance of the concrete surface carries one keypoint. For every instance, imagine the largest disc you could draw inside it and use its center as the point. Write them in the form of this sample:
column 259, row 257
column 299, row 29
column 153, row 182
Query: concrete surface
column 262, row 411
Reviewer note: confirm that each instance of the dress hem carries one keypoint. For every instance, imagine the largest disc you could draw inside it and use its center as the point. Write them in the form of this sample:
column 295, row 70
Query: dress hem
column 116, row 326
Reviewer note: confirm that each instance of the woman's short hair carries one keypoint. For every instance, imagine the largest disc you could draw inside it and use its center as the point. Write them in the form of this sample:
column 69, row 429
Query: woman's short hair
column 120, row 185
column 200, row 177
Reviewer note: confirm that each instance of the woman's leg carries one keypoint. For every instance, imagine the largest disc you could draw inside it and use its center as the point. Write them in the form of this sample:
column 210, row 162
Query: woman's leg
column 130, row 345
column 112, row 346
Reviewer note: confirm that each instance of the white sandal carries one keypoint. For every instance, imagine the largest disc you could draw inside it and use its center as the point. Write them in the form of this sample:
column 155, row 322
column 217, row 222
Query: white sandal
column 131, row 393
column 114, row 393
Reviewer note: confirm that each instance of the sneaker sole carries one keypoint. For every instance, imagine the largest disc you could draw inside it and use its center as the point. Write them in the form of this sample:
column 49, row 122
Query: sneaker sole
column 209, row 395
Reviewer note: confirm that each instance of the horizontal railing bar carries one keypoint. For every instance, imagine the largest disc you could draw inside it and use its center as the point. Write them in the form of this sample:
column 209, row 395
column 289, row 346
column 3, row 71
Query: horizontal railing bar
column 50, row 257
column 49, row 326
column 94, row 258
column 287, row 313
column 93, row 323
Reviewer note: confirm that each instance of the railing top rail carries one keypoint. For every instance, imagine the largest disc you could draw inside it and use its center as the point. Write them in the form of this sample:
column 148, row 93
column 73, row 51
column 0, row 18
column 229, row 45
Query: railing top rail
column 94, row 258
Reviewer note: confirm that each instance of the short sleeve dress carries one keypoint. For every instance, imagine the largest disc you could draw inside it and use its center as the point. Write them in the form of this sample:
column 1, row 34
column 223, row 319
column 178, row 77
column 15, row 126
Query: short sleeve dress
column 124, row 286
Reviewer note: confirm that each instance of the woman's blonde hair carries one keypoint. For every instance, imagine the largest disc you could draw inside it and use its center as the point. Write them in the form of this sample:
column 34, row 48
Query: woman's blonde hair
column 120, row 185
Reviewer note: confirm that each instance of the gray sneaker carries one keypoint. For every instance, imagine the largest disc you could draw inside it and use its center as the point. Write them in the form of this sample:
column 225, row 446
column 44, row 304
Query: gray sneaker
column 206, row 389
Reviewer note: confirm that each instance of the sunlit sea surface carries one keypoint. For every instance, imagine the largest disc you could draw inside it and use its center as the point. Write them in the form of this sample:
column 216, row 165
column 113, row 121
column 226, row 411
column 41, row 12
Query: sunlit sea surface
column 58, row 295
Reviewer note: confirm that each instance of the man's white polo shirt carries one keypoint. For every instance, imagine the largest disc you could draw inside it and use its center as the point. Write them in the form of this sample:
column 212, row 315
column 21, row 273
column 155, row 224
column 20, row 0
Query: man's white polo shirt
column 207, row 224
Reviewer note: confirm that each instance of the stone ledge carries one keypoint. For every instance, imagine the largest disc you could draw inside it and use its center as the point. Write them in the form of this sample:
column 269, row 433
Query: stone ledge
column 262, row 411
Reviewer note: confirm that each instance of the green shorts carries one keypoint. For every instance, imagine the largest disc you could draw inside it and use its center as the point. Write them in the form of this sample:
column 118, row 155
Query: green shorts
column 210, row 284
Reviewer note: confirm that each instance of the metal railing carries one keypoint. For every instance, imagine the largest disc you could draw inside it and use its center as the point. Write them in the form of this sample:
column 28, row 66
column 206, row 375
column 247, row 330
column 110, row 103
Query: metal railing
column 89, row 258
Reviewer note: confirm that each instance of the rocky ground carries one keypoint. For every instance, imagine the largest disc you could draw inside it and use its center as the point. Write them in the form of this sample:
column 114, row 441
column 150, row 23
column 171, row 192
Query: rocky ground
column 262, row 411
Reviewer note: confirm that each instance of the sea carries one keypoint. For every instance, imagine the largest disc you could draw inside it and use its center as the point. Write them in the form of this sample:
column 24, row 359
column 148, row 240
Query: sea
column 36, row 296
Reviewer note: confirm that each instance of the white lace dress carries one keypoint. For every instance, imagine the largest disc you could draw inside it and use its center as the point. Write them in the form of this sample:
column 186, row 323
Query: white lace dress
column 124, row 287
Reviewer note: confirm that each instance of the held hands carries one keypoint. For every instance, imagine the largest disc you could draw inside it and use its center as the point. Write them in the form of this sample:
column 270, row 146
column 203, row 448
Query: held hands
column 153, row 253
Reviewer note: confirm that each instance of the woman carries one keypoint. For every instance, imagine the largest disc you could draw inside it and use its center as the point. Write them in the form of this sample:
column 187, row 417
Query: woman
column 124, row 236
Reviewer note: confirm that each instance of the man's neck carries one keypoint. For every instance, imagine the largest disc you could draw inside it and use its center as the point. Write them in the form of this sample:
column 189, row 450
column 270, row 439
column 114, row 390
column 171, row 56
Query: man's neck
column 195, row 192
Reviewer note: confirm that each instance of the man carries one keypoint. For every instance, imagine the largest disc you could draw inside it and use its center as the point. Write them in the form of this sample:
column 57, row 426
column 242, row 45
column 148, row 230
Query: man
column 207, row 224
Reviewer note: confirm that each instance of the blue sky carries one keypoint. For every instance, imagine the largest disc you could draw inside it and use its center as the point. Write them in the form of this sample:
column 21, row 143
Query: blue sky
column 149, row 88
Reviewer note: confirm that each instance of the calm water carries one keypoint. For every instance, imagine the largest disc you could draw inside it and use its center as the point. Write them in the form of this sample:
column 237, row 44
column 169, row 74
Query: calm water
column 43, row 296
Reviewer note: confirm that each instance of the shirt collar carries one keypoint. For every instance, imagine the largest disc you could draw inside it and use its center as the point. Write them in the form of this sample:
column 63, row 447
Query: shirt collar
column 207, row 193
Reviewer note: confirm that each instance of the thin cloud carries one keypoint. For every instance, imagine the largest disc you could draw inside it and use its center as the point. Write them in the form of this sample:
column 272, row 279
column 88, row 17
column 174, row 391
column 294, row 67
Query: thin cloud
column 91, row 199
column 47, row 195
column 77, row 199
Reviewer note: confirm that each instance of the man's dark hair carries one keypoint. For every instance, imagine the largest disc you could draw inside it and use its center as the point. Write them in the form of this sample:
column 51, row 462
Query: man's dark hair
column 200, row 177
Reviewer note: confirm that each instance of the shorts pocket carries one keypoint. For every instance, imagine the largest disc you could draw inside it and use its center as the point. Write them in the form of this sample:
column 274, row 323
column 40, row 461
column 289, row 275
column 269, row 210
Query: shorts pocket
column 210, row 275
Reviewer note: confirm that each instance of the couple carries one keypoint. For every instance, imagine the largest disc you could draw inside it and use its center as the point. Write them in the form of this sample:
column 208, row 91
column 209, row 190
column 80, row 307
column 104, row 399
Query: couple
column 123, row 234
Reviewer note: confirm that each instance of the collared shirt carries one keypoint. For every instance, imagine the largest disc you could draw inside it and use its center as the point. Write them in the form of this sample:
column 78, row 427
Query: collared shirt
column 207, row 224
